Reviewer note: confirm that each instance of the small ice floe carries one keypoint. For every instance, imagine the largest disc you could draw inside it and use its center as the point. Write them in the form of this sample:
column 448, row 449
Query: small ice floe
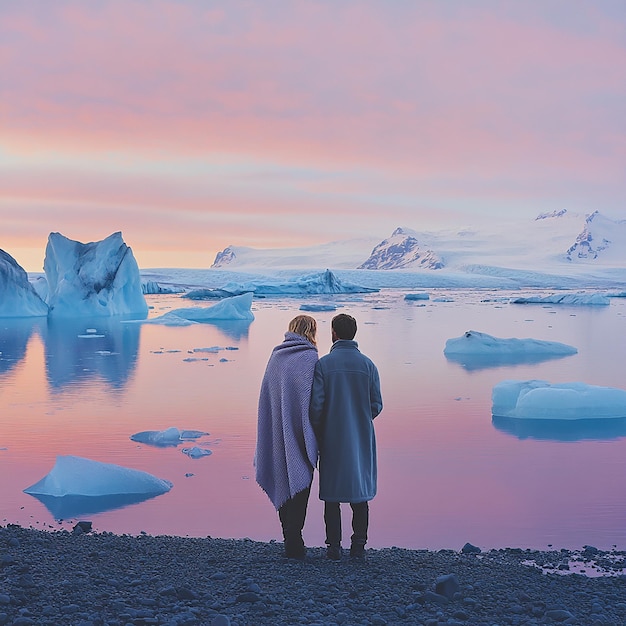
column 76, row 485
column 169, row 437
column 318, row 307
column 418, row 295
column 567, row 298
column 476, row 350
column 214, row 349
column 538, row 399
column 196, row 452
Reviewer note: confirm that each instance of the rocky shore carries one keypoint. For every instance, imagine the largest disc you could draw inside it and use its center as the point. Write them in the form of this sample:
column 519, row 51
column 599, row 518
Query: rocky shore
column 89, row 579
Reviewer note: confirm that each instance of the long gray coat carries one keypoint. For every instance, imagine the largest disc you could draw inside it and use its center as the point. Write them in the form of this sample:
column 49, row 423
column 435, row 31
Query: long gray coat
column 345, row 399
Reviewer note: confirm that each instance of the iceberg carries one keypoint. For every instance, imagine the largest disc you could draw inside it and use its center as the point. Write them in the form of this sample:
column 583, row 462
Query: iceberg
column 419, row 295
column 575, row 299
column 196, row 452
column 77, row 486
column 92, row 279
column 540, row 400
column 476, row 350
column 318, row 307
column 318, row 283
column 169, row 437
column 237, row 308
column 18, row 297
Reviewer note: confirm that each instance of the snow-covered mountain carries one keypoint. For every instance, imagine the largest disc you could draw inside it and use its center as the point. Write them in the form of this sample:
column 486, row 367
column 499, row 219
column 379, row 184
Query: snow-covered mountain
column 552, row 241
column 346, row 254
column 399, row 251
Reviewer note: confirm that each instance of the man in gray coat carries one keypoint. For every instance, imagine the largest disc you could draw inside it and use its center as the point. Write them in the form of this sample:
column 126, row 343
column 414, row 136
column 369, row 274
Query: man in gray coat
column 345, row 399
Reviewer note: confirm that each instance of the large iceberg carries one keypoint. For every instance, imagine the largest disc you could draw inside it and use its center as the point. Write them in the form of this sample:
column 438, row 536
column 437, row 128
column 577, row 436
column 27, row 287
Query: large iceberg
column 18, row 298
column 76, row 485
column 318, row 283
column 235, row 308
column 476, row 350
column 538, row 399
column 92, row 279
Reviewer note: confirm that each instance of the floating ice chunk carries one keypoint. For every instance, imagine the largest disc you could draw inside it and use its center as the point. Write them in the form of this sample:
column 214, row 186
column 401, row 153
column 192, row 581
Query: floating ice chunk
column 419, row 295
column 212, row 349
column 567, row 298
column 475, row 350
column 235, row 308
column 169, row 319
column 76, row 486
column 97, row 278
column 538, row 399
column 318, row 307
column 196, row 452
column 77, row 476
column 18, row 298
column 169, row 437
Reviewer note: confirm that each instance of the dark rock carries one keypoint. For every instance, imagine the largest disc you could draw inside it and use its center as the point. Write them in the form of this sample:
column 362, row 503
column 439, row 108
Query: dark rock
column 447, row 585
column 184, row 593
column 248, row 596
column 435, row 598
column 82, row 527
column 559, row 615
column 468, row 548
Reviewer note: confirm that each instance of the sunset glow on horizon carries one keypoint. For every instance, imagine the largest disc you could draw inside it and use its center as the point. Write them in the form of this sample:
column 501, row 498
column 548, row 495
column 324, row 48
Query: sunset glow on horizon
column 191, row 126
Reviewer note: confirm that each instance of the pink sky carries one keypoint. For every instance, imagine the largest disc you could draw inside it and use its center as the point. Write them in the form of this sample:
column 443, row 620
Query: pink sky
column 191, row 126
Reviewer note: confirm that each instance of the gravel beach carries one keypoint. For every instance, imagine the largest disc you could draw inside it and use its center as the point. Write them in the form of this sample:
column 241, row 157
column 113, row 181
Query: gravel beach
column 86, row 579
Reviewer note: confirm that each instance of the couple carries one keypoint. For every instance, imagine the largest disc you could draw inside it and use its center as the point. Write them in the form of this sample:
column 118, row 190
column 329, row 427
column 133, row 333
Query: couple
column 328, row 405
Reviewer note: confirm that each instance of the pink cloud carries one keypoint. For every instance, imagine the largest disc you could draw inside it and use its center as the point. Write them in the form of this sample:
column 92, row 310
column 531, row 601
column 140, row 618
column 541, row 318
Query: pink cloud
column 438, row 102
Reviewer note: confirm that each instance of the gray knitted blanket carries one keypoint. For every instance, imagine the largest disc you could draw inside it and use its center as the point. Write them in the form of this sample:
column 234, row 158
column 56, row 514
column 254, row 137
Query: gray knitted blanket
column 286, row 449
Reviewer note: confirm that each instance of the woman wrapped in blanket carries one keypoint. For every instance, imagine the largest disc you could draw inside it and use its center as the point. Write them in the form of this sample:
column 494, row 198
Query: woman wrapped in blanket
column 286, row 448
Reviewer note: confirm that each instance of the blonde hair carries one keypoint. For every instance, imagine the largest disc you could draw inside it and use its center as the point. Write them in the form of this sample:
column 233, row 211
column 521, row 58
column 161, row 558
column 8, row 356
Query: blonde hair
column 304, row 325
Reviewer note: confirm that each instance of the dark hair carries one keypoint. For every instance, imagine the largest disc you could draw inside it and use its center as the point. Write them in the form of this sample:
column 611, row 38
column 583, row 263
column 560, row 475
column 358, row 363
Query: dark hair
column 344, row 326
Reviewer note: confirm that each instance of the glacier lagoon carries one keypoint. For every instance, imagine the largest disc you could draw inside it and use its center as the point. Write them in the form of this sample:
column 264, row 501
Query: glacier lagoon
column 449, row 473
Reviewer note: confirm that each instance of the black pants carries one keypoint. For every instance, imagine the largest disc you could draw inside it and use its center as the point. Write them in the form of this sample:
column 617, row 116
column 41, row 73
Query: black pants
column 292, row 515
column 360, row 522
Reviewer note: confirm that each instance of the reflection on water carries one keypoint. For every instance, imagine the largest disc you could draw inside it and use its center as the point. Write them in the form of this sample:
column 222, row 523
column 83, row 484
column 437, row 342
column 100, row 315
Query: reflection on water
column 14, row 337
column 595, row 429
column 474, row 362
column 67, row 507
column 448, row 472
column 232, row 329
column 81, row 349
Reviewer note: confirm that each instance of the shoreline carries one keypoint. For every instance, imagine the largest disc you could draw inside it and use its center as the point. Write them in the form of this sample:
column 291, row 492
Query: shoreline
column 86, row 578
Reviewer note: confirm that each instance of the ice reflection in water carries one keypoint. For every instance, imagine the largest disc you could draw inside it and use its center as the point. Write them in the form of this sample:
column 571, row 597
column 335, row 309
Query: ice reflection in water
column 448, row 473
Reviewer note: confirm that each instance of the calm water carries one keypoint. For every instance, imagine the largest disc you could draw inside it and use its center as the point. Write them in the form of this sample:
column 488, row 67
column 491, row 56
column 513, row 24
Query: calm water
column 447, row 473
